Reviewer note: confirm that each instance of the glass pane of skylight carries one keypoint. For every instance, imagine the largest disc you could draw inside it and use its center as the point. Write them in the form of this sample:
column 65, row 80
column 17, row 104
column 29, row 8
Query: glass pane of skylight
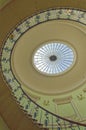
column 53, row 58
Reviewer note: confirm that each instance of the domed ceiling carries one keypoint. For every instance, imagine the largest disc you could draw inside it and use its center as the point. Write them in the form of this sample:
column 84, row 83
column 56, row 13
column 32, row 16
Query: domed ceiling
column 43, row 57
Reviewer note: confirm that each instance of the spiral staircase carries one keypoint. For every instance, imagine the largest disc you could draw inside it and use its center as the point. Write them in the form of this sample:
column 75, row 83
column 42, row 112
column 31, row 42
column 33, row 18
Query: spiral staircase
column 19, row 110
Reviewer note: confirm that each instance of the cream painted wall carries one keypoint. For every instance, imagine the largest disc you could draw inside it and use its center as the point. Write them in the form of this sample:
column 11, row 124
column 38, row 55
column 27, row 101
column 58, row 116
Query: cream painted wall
column 3, row 126
column 3, row 2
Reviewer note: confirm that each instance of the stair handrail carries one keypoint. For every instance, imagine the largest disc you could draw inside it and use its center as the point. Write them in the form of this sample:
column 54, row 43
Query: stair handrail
column 65, row 119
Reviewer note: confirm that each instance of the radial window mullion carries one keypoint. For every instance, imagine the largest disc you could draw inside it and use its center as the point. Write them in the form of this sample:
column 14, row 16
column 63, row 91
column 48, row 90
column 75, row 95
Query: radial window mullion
column 54, row 58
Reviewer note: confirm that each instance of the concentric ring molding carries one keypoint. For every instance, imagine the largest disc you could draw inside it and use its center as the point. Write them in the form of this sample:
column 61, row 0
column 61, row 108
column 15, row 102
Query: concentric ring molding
column 52, row 14
column 23, row 68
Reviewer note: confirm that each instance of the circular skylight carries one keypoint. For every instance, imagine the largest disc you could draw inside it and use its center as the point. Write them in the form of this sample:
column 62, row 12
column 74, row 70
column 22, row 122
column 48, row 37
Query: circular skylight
column 53, row 58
